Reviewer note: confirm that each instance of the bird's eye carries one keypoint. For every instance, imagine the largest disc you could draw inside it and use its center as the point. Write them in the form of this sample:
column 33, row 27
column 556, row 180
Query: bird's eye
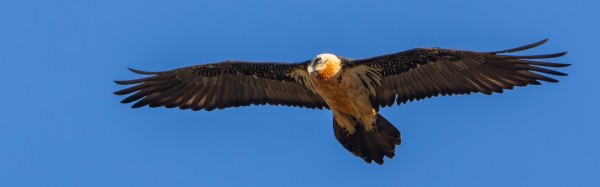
column 318, row 60
column 322, row 61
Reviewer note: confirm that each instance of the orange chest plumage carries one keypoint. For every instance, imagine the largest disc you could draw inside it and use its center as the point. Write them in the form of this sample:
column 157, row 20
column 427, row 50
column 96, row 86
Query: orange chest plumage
column 327, row 73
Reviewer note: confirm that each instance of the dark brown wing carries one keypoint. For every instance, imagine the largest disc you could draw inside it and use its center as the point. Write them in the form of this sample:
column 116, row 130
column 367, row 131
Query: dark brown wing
column 222, row 85
column 423, row 73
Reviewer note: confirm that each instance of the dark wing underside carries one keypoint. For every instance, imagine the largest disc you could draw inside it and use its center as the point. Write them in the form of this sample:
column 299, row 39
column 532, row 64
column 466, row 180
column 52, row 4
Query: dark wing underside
column 424, row 73
column 222, row 85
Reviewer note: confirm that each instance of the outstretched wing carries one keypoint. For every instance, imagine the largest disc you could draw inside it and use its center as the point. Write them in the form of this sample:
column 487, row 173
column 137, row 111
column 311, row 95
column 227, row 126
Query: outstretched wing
column 222, row 85
column 424, row 73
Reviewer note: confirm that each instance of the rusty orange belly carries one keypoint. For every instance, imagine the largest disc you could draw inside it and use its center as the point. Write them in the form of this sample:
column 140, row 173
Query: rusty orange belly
column 347, row 96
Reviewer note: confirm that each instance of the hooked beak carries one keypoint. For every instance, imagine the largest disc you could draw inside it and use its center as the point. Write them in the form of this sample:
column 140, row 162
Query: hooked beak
column 311, row 70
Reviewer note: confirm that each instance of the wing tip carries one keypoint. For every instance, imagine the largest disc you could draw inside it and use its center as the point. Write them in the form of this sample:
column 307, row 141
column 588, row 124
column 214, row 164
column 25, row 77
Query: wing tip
column 558, row 54
column 564, row 53
column 121, row 82
column 144, row 72
column 541, row 42
column 566, row 65
column 120, row 92
column 522, row 48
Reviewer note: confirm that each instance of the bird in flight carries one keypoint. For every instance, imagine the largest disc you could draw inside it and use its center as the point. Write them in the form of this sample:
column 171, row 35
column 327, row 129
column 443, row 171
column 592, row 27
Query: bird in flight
column 354, row 90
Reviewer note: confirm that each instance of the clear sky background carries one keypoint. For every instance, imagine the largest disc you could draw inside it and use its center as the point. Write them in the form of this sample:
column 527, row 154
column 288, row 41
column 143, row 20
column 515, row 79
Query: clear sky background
column 60, row 125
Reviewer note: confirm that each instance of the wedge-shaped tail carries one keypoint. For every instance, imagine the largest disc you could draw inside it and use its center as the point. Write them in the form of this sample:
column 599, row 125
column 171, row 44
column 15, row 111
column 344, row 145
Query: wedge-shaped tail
column 373, row 145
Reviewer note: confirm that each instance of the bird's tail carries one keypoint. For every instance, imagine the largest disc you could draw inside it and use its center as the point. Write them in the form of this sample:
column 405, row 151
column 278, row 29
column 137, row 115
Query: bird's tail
column 370, row 145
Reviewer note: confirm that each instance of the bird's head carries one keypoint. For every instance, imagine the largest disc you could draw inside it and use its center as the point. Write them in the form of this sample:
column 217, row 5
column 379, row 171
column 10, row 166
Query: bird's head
column 324, row 66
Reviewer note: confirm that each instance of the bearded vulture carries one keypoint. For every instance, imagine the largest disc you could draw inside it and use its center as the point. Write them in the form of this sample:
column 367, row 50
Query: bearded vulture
column 353, row 90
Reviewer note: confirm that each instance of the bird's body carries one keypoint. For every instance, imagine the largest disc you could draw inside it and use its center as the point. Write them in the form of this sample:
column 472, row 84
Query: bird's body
column 345, row 97
column 353, row 90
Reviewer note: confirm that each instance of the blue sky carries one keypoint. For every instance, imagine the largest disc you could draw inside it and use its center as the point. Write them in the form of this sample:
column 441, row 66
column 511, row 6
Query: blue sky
column 60, row 125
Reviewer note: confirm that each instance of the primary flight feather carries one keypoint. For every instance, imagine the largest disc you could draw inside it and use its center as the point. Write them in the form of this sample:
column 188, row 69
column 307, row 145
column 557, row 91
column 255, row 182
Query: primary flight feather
column 353, row 90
